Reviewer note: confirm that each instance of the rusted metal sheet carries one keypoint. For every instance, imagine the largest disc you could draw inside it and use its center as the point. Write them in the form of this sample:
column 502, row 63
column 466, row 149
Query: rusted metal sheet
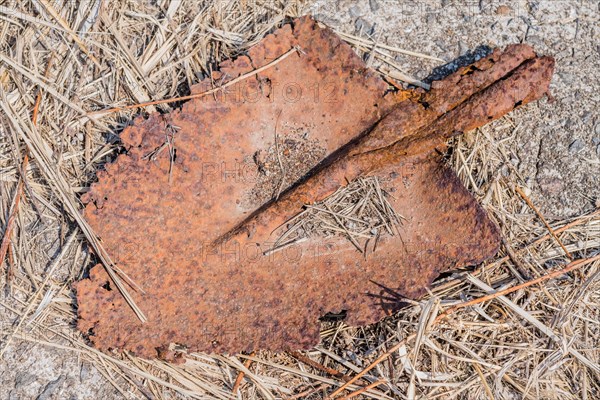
column 190, row 212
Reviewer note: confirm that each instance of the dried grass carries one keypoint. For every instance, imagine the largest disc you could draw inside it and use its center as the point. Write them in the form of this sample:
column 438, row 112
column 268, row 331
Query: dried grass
column 541, row 341
column 359, row 212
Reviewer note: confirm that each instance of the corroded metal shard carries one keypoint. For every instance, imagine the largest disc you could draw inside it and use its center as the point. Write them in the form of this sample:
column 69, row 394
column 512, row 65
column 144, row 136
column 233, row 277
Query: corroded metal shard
column 190, row 212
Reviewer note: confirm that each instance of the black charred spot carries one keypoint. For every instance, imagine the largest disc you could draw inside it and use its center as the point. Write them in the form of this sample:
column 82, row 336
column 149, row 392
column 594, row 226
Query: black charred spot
column 333, row 317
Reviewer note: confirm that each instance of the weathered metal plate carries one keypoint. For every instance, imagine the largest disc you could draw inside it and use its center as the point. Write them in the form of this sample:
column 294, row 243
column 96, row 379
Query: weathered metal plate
column 191, row 230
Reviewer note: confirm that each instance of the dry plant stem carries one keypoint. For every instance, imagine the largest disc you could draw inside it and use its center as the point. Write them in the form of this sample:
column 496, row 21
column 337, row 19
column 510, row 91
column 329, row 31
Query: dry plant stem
column 541, row 217
column 486, row 387
column 235, row 362
column 352, row 39
column 375, row 52
column 13, row 212
column 241, row 374
column 574, row 223
column 331, row 371
column 519, row 269
column 56, row 15
column 308, row 392
column 371, row 366
column 363, row 389
column 568, row 268
column 38, row 99
column 199, row 95
column 47, row 87
column 10, row 273
column 20, row 186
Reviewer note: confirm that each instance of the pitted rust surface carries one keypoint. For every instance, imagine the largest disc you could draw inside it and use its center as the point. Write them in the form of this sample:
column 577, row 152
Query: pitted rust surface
column 193, row 239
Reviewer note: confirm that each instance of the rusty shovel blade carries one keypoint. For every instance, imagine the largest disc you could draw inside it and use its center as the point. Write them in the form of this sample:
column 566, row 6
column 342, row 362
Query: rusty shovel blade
column 192, row 212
